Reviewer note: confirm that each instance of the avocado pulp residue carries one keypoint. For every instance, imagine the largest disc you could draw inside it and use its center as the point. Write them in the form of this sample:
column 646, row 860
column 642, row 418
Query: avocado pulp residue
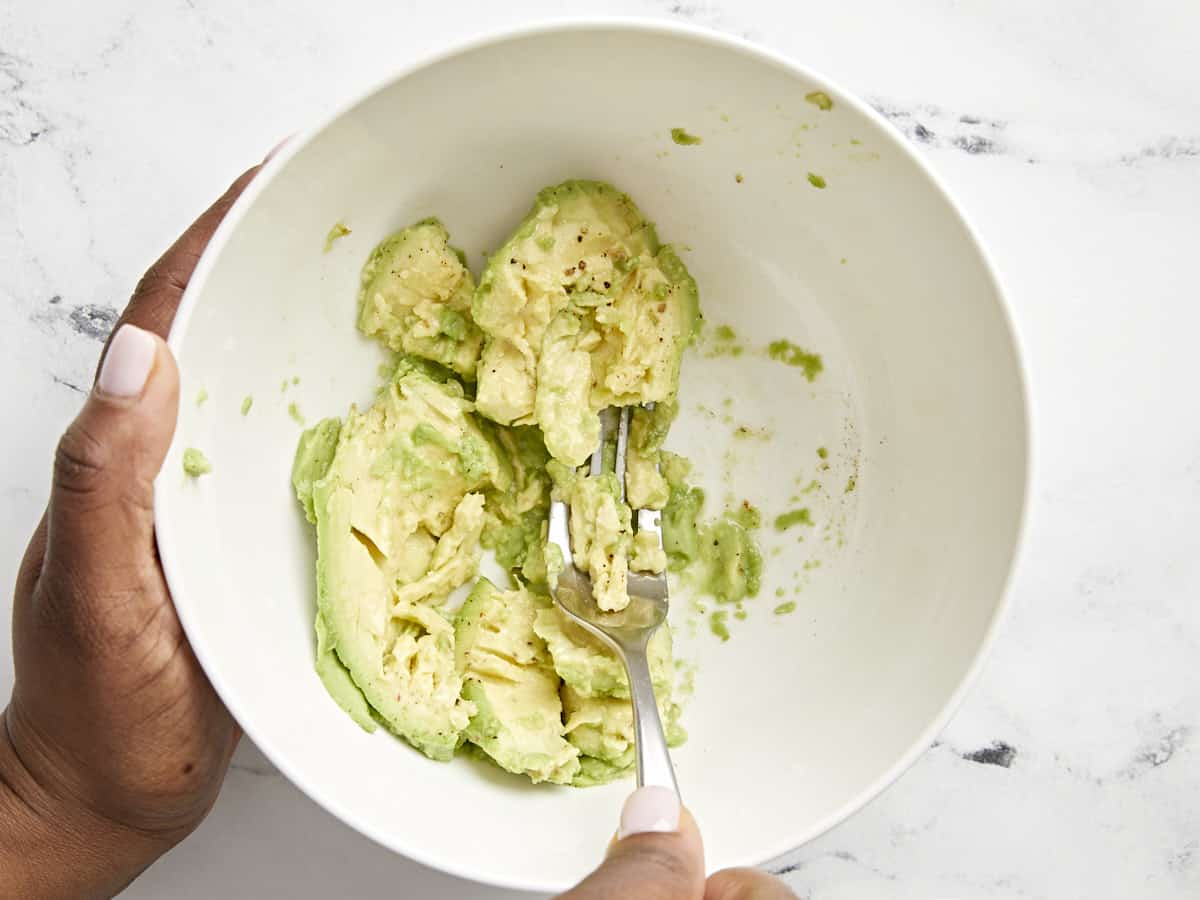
column 338, row 231
column 720, row 557
column 820, row 100
column 195, row 463
column 790, row 354
column 721, row 341
column 718, row 624
column 795, row 517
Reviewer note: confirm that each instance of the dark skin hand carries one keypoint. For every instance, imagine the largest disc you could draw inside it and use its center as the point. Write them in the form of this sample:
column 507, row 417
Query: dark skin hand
column 114, row 744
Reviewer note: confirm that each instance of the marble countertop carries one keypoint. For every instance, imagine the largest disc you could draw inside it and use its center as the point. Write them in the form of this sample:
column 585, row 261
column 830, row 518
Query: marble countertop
column 1071, row 134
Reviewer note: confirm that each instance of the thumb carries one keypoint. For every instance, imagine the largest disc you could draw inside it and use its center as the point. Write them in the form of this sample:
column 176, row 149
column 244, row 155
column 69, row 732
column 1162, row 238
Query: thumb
column 101, row 514
column 658, row 854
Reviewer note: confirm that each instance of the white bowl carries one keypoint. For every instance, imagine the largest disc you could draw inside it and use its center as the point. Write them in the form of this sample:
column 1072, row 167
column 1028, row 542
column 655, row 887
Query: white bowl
column 799, row 719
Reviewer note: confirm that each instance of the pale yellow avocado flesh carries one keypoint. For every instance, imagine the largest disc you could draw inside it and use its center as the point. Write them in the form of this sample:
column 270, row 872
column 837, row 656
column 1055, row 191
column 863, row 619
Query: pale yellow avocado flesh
column 399, row 515
column 508, row 675
column 416, row 298
column 581, row 309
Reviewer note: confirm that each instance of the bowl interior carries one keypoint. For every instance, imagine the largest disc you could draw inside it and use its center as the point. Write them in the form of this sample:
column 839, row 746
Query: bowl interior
column 799, row 718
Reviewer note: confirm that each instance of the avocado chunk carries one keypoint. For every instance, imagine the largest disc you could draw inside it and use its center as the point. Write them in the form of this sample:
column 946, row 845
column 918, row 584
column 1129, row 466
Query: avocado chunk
column 416, row 298
column 581, row 309
column 602, row 727
column 589, row 667
column 313, row 457
column 510, row 680
column 338, row 681
column 593, row 772
column 314, row 453
column 515, row 527
column 719, row 557
column 645, row 486
column 601, row 535
column 648, row 554
column 399, row 514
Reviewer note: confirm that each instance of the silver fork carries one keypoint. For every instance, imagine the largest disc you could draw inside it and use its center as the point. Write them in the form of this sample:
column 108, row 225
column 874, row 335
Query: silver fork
column 627, row 632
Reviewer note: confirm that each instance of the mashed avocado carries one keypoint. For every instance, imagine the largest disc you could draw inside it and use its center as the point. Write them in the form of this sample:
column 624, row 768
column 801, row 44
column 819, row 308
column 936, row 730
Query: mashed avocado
column 416, row 298
column 601, row 531
column 588, row 666
column 602, row 727
column 490, row 407
column 718, row 557
column 509, row 677
column 313, row 456
column 645, row 486
column 581, row 309
column 195, row 463
column 515, row 528
column 399, row 511
column 595, row 695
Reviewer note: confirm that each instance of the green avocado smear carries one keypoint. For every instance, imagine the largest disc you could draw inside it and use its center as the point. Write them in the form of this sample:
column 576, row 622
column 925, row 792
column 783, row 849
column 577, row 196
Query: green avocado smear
column 685, row 138
column 489, row 408
column 195, row 463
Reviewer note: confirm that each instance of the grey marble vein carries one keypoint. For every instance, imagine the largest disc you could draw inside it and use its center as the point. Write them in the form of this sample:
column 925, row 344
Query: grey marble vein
column 21, row 124
column 1167, row 148
column 998, row 753
column 935, row 127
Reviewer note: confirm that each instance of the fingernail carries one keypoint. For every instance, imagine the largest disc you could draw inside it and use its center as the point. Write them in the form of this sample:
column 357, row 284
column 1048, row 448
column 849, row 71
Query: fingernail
column 649, row 809
column 128, row 362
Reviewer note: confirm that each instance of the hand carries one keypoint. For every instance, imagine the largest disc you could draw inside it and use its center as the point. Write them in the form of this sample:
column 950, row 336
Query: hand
column 115, row 745
column 658, row 855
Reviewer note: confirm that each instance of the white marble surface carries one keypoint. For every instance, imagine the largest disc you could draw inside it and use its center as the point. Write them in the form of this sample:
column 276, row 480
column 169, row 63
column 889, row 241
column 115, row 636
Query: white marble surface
column 1071, row 133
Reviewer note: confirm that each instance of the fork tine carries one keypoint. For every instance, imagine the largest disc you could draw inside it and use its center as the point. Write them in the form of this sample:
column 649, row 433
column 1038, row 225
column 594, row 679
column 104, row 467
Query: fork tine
column 614, row 429
column 608, row 426
column 622, row 448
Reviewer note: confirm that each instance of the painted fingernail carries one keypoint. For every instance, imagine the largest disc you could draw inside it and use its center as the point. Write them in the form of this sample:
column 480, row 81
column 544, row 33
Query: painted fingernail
column 649, row 809
column 128, row 362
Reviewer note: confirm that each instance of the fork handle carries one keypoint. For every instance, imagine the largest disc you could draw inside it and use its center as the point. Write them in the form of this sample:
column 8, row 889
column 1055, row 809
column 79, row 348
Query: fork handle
column 653, row 758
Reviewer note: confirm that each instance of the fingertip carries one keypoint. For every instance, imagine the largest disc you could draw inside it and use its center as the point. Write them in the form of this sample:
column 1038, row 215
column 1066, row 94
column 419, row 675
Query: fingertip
column 127, row 365
column 138, row 382
column 687, row 828
column 650, row 809
column 649, row 862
